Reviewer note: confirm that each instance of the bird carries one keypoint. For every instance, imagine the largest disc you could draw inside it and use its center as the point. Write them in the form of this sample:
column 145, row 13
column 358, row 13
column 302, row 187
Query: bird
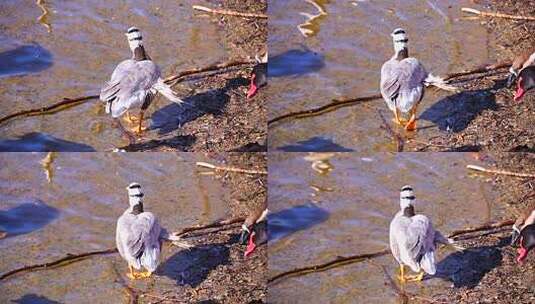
column 138, row 236
column 135, row 82
column 403, row 79
column 525, row 82
column 253, row 229
column 258, row 75
column 527, row 242
column 522, row 60
column 413, row 239
column 526, row 218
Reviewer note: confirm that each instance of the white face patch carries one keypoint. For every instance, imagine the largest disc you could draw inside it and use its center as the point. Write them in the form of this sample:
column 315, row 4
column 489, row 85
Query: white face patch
column 135, row 195
column 406, row 197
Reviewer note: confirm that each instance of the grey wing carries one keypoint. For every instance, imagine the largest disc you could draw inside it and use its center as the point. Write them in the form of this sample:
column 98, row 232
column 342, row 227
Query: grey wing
column 130, row 84
column 390, row 85
column 137, row 232
column 414, row 73
column 420, row 236
column 394, row 246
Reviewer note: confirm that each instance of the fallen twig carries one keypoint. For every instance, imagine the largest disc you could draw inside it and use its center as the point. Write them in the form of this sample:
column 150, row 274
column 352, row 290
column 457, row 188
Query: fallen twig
column 54, row 108
column 72, row 258
column 500, row 172
column 481, row 228
column 394, row 134
column 228, row 12
column 208, row 226
column 335, row 104
column 230, row 169
column 480, row 69
column 174, row 79
column 133, row 295
column 497, row 15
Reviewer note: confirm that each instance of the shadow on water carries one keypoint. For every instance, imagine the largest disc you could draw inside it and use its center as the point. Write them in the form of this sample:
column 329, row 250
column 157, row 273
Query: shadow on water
column 191, row 267
column 315, row 144
column 40, row 142
column 454, row 113
column 27, row 218
column 288, row 221
column 295, row 63
column 24, row 60
column 467, row 268
column 32, row 298
column 172, row 116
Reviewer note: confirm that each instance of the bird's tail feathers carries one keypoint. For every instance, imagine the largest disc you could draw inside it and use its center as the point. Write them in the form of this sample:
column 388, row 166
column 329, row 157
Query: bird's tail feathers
column 166, row 91
column 440, row 83
column 175, row 240
column 428, row 263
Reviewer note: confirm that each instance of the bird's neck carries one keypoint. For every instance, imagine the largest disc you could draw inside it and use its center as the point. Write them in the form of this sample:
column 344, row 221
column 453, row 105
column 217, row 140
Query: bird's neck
column 140, row 54
column 402, row 54
column 137, row 208
column 408, row 211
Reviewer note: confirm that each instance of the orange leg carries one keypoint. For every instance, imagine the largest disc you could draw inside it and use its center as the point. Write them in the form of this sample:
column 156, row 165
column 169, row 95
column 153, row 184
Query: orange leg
column 397, row 119
column 411, row 125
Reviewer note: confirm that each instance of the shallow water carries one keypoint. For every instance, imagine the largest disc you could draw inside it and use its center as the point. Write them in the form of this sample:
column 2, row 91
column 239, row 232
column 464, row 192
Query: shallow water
column 350, row 42
column 342, row 206
column 76, row 211
column 73, row 51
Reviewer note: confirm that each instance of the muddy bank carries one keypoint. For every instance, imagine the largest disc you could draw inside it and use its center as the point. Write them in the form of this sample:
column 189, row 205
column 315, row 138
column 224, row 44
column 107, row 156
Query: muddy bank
column 489, row 272
column 484, row 116
column 222, row 119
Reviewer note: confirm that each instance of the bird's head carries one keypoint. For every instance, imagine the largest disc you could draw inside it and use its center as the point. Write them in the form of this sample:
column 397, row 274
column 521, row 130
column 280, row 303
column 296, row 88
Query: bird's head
column 525, row 82
column 527, row 242
column 401, row 41
column 135, row 195
column 134, row 37
column 258, row 77
column 252, row 232
column 406, row 197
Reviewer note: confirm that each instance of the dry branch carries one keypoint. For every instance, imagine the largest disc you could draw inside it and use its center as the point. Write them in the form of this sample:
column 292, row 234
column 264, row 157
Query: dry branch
column 62, row 105
column 72, row 258
column 479, row 69
column 394, row 134
column 230, row 169
column 174, row 79
column 228, row 12
column 334, row 105
column 481, row 228
column 500, row 172
column 339, row 261
column 497, row 15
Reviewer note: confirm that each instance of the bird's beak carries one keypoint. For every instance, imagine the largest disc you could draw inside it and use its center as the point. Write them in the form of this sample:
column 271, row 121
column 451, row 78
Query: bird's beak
column 253, row 88
column 244, row 235
column 251, row 246
column 522, row 254
column 515, row 236
column 519, row 90
column 511, row 80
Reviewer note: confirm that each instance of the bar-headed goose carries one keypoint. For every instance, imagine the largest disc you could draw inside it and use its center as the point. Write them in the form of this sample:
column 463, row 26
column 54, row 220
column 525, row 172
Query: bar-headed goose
column 413, row 239
column 527, row 242
column 138, row 236
column 526, row 218
column 259, row 75
column 525, row 82
column 522, row 60
column 254, row 229
column 403, row 79
column 135, row 82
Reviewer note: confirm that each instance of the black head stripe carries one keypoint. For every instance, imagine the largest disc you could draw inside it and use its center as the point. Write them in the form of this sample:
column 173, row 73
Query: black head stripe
column 402, row 40
column 400, row 31
column 133, row 30
column 409, row 197
column 406, row 188
column 135, row 38
column 137, row 195
column 133, row 186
